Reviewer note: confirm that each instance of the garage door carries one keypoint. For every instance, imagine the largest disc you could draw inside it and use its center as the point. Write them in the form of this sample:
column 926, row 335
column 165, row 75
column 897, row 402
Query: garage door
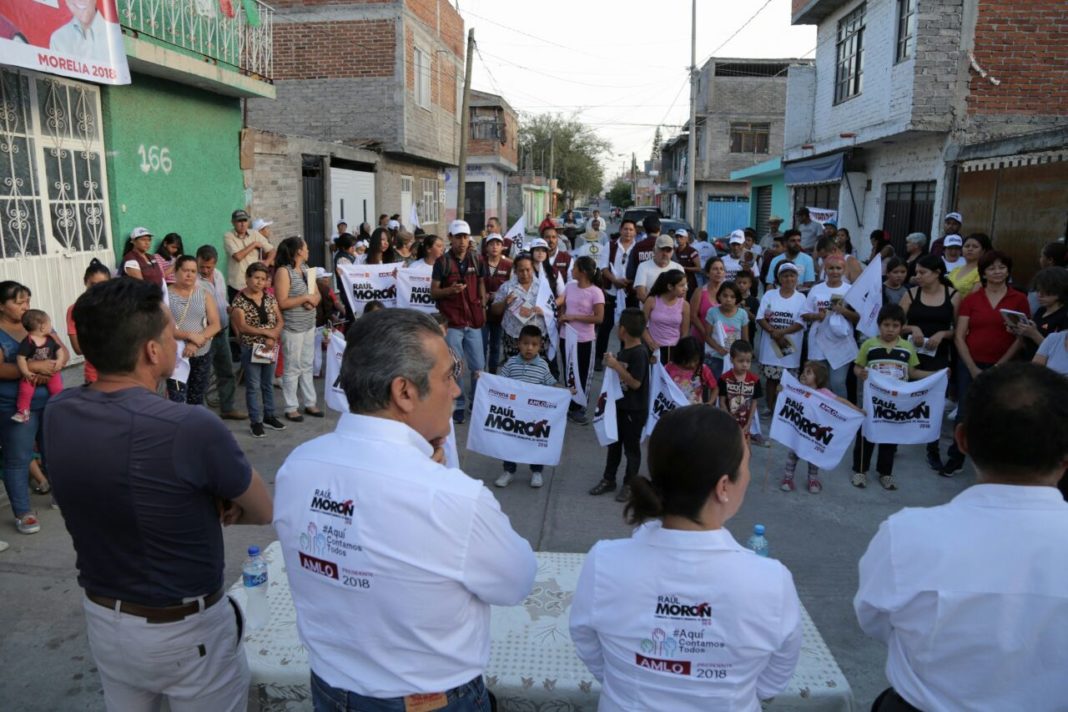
column 352, row 197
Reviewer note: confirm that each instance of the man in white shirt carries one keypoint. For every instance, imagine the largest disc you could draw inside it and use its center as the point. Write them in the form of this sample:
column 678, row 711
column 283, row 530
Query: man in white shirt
column 243, row 247
column 649, row 270
column 393, row 559
column 614, row 280
column 221, row 358
column 87, row 35
column 971, row 597
column 810, row 230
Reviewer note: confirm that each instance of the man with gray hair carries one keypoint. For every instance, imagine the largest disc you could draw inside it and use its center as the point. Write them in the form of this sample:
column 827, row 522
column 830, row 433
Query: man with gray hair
column 393, row 559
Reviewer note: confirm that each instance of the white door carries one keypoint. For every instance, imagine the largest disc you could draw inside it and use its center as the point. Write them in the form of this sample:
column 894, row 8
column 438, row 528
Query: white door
column 406, row 202
column 352, row 198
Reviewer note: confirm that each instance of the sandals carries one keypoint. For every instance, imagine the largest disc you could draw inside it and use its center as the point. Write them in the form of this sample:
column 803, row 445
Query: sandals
column 41, row 487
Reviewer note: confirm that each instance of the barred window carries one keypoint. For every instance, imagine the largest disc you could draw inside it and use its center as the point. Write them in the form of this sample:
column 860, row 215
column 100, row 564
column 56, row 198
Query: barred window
column 749, row 138
column 906, row 29
column 849, row 68
column 52, row 177
column 429, row 207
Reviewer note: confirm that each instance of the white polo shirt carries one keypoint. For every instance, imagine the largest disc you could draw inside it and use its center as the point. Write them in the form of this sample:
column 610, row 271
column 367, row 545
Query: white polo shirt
column 971, row 599
column 393, row 560
column 685, row 621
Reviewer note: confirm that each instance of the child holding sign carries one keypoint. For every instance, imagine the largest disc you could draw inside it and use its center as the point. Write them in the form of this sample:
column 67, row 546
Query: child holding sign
column 892, row 356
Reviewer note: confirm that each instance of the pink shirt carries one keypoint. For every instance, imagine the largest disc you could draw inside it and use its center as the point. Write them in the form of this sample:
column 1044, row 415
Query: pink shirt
column 665, row 322
column 580, row 301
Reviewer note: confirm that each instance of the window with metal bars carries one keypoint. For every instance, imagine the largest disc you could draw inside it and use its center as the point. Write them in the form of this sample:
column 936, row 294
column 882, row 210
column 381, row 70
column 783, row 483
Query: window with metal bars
column 749, row 137
column 849, row 67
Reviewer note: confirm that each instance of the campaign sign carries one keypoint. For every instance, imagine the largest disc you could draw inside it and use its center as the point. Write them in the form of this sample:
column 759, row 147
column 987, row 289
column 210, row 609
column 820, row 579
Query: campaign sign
column 814, row 425
column 604, row 415
column 369, row 283
column 518, row 422
column 413, row 289
column 903, row 412
column 334, row 396
column 664, row 395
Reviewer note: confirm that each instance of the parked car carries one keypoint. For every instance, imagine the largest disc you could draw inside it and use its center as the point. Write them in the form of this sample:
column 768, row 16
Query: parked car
column 669, row 226
column 637, row 214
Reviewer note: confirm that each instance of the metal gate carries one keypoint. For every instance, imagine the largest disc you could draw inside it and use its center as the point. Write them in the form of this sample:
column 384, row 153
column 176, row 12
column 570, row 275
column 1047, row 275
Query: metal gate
column 726, row 213
column 314, row 210
column 909, row 208
column 475, row 205
column 763, row 209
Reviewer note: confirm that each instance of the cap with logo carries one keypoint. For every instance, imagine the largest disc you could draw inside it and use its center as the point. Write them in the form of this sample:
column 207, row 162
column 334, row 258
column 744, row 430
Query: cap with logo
column 737, row 238
column 681, row 233
column 459, row 227
column 538, row 242
column 393, row 225
column 494, row 236
column 664, row 241
column 787, row 267
column 956, row 217
column 952, row 241
column 238, row 215
column 139, row 232
column 260, row 223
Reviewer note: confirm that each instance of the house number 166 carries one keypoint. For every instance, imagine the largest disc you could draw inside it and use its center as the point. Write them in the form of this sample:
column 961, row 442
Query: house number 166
column 155, row 159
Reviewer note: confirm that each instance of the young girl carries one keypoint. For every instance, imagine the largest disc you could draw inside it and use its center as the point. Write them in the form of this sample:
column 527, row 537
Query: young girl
column 40, row 344
column 894, row 286
column 666, row 313
column 814, row 375
column 691, row 376
column 727, row 320
column 830, row 337
column 583, row 311
column 170, row 249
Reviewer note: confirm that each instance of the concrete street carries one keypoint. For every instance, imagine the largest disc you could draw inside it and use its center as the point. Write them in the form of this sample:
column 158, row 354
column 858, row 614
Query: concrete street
column 47, row 665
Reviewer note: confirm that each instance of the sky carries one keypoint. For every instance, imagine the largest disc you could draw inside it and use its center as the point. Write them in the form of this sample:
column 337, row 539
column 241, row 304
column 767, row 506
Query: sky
column 619, row 66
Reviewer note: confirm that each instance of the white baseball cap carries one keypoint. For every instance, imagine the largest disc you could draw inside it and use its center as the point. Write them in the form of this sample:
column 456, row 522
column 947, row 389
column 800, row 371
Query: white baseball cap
column 955, row 216
column 737, row 238
column 260, row 223
column 787, row 267
column 681, row 233
column 494, row 236
column 459, row 227
column 393, row 225
column 538, row 242
column 139, row 232
column 952, row 241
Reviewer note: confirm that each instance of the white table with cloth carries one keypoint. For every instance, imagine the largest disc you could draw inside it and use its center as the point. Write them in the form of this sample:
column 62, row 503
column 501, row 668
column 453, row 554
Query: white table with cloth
column 532, row 665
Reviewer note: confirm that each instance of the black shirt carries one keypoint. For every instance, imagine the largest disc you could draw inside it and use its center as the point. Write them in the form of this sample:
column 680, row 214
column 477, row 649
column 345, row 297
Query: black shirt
column 136, row 477
column 636, row 359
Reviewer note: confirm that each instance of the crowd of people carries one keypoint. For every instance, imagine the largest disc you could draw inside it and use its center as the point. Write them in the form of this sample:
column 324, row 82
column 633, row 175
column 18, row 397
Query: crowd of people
column 430, row 543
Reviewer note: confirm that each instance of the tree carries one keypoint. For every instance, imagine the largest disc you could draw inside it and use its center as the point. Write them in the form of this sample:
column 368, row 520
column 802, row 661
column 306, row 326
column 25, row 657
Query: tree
column 619, row 195
column 573, row 146
column 658, row 142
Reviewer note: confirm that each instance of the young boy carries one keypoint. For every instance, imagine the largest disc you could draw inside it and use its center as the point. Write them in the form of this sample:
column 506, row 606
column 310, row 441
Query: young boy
column 632, row 365
column 749, row 303
column 892, row 356
column 526, row 366
column 739, row 387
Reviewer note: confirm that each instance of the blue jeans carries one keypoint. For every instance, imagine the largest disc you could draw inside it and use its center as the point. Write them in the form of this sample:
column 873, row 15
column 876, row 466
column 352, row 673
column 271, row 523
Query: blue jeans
column 467, row 343
column 259, row 389
column 491, row 339
column 469, row 697
column 17, row 440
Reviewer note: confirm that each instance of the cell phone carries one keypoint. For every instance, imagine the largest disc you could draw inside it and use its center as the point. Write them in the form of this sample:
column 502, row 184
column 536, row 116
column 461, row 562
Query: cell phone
column 1013, row 318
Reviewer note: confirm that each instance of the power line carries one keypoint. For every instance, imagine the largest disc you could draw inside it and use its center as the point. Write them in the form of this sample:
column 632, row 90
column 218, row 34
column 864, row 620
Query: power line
column 563, row 79
column 736, row 32
column 533, row 37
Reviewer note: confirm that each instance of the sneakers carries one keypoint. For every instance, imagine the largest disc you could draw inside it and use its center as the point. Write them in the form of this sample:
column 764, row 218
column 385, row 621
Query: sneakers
column 28, row 524
column 577, row 416
column 759, row 440
column 603, row 487
column 623, row 495
column 21, row 416
column 787, row 484
column 887, row 481
column 859, row 479
column 41, row 487
column 504, row 480
column 257, row 430
column 536, row 480
column 458, row 416
column 814, row 485
column 952, row 465
column 934, row 461
column 274, row 423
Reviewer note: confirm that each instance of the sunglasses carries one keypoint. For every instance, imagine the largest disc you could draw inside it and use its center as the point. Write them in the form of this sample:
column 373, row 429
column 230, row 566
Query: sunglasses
column 457, row 368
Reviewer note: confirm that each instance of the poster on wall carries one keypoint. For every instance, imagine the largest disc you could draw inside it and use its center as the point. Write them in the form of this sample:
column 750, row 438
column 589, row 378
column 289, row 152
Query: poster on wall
column 72, row 38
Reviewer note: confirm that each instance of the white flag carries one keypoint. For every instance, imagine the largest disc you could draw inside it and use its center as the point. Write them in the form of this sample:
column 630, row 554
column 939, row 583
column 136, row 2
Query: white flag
column 517, row 421
column 572, row 371
column 517, row 232
column 814, row 425
column 719, row 333
column 604, row 415
column 413, row 288
column 904, row 412
column 547, row 302
column 413, row 218
column 452, row 456
column 181, row 363
column 866, row 296
column 334, row 396
column 368, row 283
column 664, row 395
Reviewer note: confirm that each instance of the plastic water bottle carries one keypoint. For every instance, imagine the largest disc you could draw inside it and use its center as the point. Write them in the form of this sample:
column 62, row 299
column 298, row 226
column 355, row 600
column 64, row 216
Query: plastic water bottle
column 254, row 576
column 758, row 542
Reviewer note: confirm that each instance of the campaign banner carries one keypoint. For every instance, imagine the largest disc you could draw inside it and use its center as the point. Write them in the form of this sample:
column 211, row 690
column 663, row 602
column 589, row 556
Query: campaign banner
column 596, row 250
column 80, row 39
column 822, row 215
column 866, row 297
column 814, row 425
column 572, row 370
column 369, row 283
column 547, row 302
column 664, row 395
column 604, row 415
column 516, row 421
column 413, row 289
column 334, row 396
column 904, row 412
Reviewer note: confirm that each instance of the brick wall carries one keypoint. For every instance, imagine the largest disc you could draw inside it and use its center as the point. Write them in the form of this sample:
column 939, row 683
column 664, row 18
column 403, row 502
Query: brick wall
column 740, row 100
column 334, row 49
column 1023, row 45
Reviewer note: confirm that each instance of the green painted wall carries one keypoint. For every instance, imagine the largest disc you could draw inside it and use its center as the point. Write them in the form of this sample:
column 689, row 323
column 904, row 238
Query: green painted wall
column 780, row 198
column 172, row 162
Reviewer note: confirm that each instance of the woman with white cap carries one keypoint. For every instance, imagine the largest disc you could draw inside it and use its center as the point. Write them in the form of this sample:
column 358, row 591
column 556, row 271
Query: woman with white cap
column 136, row 262
column 779, row 318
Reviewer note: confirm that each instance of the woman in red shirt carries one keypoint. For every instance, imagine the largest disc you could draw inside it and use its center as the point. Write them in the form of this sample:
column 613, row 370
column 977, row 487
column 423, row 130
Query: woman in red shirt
column 981, row 337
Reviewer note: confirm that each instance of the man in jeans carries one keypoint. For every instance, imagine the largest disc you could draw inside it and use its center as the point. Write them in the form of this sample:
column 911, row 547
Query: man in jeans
column 458, row 286
column 221, row 359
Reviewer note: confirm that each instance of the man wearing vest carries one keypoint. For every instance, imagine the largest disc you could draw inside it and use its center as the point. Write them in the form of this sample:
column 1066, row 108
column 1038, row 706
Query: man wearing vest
column 560, row 260
column 616, row 286
column 646, row 247
column 458, row 286
column 497, row 269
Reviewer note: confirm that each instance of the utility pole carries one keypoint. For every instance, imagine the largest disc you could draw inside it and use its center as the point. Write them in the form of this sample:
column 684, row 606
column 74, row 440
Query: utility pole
column 465, row 127
column 691, row 145
column 552, row 180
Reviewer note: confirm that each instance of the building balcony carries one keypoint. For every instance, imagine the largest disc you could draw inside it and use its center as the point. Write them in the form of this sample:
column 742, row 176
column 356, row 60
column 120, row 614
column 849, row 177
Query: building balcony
column 197, row 42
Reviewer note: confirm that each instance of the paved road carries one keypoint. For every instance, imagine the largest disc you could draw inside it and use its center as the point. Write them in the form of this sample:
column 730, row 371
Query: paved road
column 44, row 653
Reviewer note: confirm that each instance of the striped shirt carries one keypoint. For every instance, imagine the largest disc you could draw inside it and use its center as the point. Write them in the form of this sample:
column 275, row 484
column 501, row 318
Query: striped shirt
column 535, row 370
column 298, row 319
column 190, row 313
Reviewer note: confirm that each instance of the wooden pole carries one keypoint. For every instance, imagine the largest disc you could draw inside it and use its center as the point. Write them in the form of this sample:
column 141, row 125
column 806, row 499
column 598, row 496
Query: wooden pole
column 465, row 127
